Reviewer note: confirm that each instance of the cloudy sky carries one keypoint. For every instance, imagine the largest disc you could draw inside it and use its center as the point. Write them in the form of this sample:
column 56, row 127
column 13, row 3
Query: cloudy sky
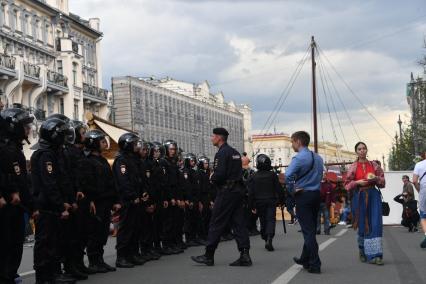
column 249, row 49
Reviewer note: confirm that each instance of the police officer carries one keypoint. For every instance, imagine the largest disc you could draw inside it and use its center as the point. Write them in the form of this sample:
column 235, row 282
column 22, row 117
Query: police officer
column 174, row 214
column 47, row 174
column 264, row 193
column 205, row 197
column 251, row 217
column 228, row 207
column 191, row 193
column 74, row 230
column 129, row 185
column 148, row 207
column 14, row 193
column 159, row 186
column 102, row 195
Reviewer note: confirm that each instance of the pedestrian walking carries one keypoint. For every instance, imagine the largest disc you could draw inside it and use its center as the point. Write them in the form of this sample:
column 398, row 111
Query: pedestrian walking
column 419, row 181
column 303, row 178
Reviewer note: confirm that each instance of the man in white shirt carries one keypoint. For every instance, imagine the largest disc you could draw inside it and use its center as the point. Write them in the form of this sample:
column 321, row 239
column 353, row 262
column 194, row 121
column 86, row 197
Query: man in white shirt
column 419, row 181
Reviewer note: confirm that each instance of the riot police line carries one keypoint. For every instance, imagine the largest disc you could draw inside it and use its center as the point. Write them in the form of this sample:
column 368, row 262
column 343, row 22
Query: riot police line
column 164, row 200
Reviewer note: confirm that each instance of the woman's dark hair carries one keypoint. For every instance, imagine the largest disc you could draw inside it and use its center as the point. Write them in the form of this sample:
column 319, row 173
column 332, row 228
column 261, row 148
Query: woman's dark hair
column 359, row 143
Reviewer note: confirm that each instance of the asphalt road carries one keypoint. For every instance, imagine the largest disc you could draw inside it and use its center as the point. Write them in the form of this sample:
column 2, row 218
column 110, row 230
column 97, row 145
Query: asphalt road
column 404, row 262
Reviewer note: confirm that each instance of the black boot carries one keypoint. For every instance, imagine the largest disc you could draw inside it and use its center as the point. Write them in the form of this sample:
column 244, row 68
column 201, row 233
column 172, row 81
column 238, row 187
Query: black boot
column 108, row 267
column 122, row 262
column 96, row 265
column 83, row 268
column 71, row 269
column 207, row 258
column 137, row 259
column 64, row 279
column 244, row 259
column 268, row 244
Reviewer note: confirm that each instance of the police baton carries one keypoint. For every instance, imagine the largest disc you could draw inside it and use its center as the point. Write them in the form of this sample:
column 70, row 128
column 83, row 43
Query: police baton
column 282, row 216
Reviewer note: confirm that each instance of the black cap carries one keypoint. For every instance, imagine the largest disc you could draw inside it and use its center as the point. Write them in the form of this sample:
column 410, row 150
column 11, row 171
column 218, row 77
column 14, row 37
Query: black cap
column 220, row 131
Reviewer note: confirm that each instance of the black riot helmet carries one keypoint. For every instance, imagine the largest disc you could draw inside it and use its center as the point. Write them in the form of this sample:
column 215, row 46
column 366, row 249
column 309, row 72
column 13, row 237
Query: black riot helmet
column 71, row 134
column 78, row 125
column 54, row 131
column 15, row 120
column 93, row 139
column 263, row 162
column 128, row 141
column 156, row 146
column 187, row 158
column 168, row 144
column 201, row 161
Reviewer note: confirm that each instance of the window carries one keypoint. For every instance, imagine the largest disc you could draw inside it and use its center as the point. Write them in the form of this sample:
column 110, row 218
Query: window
column 36, row 30
column 61, row 106
column 74, row 73
column 60, row 67
column 14, row 19
column 76, row 114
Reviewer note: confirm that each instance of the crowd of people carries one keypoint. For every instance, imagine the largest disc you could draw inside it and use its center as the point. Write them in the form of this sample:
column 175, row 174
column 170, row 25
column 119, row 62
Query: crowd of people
column 165, row 200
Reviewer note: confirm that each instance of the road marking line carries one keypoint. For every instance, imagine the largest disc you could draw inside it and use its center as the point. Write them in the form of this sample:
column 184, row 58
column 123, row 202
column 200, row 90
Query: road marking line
column 339, row 234
column 293, row 270
column 326, row 244
column 27, row 273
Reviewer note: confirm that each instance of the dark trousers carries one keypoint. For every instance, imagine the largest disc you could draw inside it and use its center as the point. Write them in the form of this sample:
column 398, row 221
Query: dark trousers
column 11, row 242
column 203, row 227
column 266, row 210
column 251, row 218
column 168, row 225
column 128, row 231
column 228, row 210
column 148, row 230
column 178, row 221
column 192, row 222
column 47, row 229
column 99, row 229
column 410, row 222
column 307, row 204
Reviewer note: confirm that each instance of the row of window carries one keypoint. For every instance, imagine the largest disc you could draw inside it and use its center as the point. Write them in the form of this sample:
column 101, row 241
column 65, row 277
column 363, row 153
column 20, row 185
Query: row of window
column 27, row 23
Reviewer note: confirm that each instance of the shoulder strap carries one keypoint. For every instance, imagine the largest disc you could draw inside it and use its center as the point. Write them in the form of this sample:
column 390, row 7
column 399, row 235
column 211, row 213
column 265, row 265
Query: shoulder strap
column 310, row 169
column 422, row 176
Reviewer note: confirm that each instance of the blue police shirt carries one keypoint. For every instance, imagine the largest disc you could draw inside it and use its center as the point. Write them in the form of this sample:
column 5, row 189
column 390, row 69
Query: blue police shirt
column 300, row 164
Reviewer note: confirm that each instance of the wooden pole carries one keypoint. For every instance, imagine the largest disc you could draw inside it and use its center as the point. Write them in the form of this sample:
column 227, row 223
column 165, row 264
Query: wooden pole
column 314, row 95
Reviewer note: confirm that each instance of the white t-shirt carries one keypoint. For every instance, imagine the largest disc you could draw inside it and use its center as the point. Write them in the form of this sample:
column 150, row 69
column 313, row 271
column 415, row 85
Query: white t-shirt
column 419, row 170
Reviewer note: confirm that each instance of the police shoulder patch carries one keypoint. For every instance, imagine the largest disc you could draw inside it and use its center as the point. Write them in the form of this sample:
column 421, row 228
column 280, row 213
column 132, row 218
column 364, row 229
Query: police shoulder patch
column 148, row 173
column 17, row 168
column 185, row 175
column 123, row 169
column 49, row 167
column 236, row 157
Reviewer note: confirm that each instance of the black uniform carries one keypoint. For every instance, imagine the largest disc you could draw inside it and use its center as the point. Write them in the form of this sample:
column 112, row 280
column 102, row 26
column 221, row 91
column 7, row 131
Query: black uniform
column 48, row 174
column 250, row 216
column 75, row 230
column 129, row 184
column 99, row 186
column 158, row 190
column 205, row 197
column 173, row 219
column 14, row 180
column 228, row 205
column 191, row 192
column 264, row 193
column 147, row 218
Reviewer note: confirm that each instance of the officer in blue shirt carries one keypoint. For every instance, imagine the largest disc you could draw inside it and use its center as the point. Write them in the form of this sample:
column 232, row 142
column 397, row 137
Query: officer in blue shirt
column 303, row 179
column 228, row 205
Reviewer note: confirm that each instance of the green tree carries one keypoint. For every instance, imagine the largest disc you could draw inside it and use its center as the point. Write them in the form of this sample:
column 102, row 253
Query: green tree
column 401, row 156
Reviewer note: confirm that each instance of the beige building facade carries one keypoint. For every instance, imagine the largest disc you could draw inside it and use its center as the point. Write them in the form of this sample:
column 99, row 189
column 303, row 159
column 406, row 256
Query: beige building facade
column 50, row 60
column 278, row 148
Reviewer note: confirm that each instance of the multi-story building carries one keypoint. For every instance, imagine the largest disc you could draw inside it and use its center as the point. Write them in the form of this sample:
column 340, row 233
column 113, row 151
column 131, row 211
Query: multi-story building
column 278, row 148
column 416, row 98
column 50, row 59
column 170, row 109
